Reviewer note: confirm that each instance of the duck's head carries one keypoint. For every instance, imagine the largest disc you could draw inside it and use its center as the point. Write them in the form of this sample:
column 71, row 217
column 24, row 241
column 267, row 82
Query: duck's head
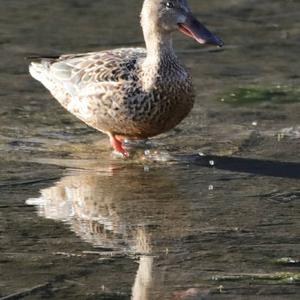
column 167, row 16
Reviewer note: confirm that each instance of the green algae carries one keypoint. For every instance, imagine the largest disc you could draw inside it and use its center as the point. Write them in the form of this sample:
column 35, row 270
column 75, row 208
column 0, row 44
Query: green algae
column 262, row 95
column 289, row 261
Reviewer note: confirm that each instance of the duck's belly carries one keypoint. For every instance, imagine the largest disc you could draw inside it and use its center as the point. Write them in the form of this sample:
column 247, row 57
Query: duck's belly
column 148, row 115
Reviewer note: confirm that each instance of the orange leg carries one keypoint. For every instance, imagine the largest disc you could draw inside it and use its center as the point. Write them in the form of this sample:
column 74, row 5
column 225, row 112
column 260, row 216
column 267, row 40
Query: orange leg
column 116, row 143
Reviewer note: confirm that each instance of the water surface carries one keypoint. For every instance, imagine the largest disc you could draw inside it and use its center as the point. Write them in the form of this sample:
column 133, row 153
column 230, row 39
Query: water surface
column 78, row 223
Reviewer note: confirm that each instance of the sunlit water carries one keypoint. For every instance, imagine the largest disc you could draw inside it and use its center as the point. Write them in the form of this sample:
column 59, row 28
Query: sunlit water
column 209, row 210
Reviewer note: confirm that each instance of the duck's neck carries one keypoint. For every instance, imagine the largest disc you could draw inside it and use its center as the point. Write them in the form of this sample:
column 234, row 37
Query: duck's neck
column 160, row 56
column 159, row 46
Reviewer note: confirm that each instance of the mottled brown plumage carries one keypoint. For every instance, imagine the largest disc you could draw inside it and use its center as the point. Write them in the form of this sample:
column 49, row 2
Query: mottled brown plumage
column 131, row 93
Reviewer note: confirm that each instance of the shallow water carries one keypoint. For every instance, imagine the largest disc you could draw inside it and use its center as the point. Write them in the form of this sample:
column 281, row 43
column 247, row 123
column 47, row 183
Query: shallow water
column 79, row 223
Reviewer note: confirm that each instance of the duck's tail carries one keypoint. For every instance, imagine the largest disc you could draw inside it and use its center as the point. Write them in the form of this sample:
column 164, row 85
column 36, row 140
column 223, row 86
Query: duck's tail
column 39, row 70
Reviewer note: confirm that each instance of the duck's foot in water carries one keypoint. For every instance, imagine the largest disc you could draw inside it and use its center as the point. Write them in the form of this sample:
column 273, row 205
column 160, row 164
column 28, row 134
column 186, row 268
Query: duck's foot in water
column 117, row 144
column 144, row 150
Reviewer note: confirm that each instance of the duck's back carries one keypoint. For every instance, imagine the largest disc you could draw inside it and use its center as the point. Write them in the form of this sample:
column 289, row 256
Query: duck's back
column 105, row 90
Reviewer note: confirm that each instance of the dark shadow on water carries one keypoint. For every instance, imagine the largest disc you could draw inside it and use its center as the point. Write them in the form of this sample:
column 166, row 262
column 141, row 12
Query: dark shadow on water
column 246, row 165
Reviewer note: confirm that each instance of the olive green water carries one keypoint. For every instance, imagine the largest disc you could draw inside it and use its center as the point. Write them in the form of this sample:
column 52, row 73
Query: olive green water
column 78, row 223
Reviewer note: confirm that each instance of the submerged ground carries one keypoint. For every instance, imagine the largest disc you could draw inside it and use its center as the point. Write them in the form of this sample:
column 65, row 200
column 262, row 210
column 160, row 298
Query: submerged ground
column 77, row 223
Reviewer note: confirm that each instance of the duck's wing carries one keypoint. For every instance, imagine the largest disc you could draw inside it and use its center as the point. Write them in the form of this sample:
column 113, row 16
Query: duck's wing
column 73, row 73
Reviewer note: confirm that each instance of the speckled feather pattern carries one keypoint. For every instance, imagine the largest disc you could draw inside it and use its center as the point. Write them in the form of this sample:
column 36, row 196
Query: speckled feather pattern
column 116, row 91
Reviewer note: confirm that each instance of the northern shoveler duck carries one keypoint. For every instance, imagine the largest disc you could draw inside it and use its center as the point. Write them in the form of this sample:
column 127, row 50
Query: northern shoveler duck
column 130, row 93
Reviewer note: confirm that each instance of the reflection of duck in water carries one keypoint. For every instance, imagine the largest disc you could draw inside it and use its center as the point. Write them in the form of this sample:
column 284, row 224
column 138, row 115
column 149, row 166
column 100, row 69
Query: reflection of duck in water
column 113, row 219
column 84, row 202
column 131, row 93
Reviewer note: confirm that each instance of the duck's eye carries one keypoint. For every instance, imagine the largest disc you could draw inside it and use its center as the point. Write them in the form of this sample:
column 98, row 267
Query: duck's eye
column 169, row 5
